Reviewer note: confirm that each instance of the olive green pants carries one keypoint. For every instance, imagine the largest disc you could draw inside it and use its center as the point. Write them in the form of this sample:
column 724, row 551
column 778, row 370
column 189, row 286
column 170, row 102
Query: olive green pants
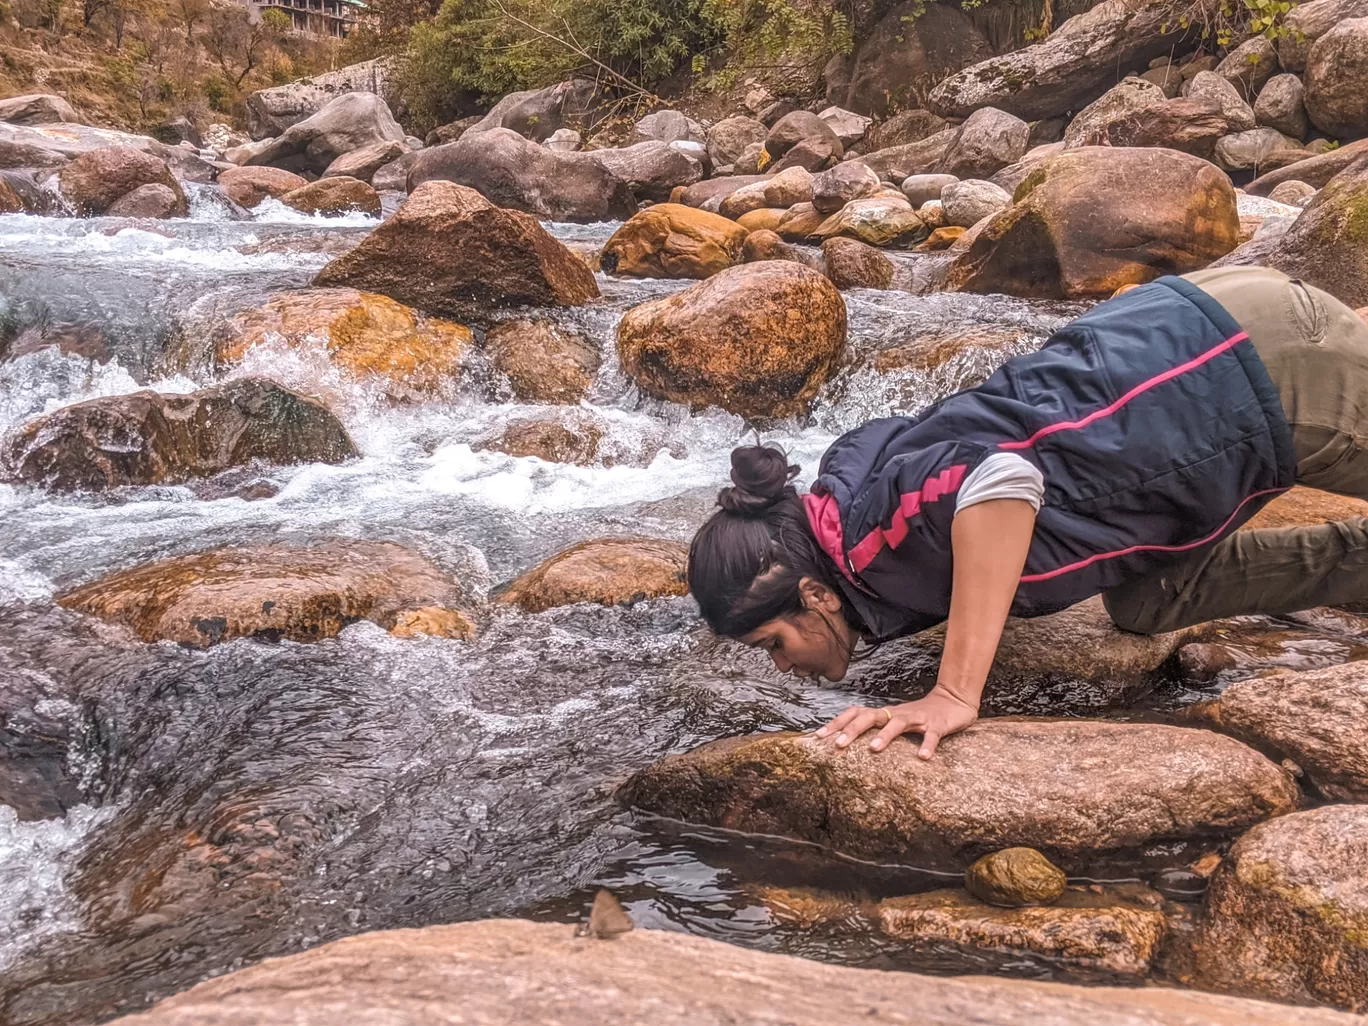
column 1316, row 352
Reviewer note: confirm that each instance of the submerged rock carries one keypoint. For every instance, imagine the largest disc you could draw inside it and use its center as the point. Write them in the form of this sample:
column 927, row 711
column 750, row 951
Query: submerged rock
column 449, row 251
column 248, row 186
column 1014, row 877
column 572, row 437
column 670, row 240
column 543, row 363
column 334, row 196
column 157, row 438
column 1072, row 789
column 274, row 592
column 96, row 180
column 758, row 340
column 364, row 334
column 610, row 572
column 1287, row 913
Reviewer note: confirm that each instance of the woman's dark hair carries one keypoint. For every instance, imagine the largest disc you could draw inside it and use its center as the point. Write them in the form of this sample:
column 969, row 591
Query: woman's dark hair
column 746, row 562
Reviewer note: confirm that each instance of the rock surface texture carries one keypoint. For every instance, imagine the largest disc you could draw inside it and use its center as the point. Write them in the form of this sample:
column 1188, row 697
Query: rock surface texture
column 95, row 181
column 347, row 123
column 248, row 186
column 1336, row 70
column 1014, row 877
column 610, row 572
column 543, row 363
column 670, row 240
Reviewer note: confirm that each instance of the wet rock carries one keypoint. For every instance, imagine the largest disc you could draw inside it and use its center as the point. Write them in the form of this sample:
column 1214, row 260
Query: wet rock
column 987, row 142
column 1335, row 70
column 362, row 163
column 767, row 245
column 537, row 114
column 274, row 592
column 1073, row 789
column 513, row 172
column 342, row 125
column 800, row 222
column 920, row 189
column 155, row 201
column 969, row 202
column 878, row 220
column 799, row 127
column 1093, row 219
column 1211, row 89
column 1076, row 64
column 757, row 340
column 1189, row 126
column 764, row 219
column 365, row 335
column 448, row 251
column 932, row 214
column 785, row 189
column 37, row 109
column 1281, row 106
column 433, row 622
column 1287, row 914
column 849, row 127
column 650, row 169
column 10, row 201
column 151, row 438
column 1181, row 884
column 573, row 437
column 1314, row 718
column 610, row 572
column 92, row 182
column 1294, row 194
column 899, row 163
column 670, row 240
column 1015, row 877
column 1090, row 126
column 393, row 177
column 831, row 190
column 1250, row 65
column 543, row 363
column 248, row 186
column 1248, row 151
column 1116, row 939
column 1316, row 170
column 851, row 264
column 944, row 238
column 1307, row 22
column 333, row 197
column 728, row 139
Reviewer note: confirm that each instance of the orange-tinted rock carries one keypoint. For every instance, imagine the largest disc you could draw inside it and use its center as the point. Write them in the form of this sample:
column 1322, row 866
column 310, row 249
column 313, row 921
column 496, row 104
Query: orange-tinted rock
column 433, row 622
column 610, row 572
column 365, row 334
column 800, row 222
column 1015, row 877
column 10, row 203
column 269, row 591
column 669, row 240
column 878, row 220
column 1307, row 506
column 248, row 186
column 927, row 352
column 572, row 437
column 944, row 238
column 766, row 218
column 334, row 196
column 758, row 340
column 93, row 181
column 543, row 362
column 851, row 264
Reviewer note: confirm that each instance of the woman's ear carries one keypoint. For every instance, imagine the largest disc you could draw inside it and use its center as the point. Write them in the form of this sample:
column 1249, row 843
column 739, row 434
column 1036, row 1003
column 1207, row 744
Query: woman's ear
column 817, row 597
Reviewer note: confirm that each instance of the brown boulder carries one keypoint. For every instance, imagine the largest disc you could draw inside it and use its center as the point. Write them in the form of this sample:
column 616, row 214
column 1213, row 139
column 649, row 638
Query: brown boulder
column 784, row 189
column 154, row 201
column 851, row 180
column 154, row 438
column 10, row 203
column 610, row 572
column 543, row 363
column 851, row 264
column 248, row 186
column 926, row 156
column 1090, row 220
column 1015, row 877
column 93, row 181
column 572, row 437
column 767, row 245
column 1188, row 126
column 708, row 195
column 362, row 163
column 798, row 127
column 268, row 591
column 334, row 196
column 1074, row 789
column 800, row 222
column 670, row 240
column 366, row 335
column 764, row 219
column 1314, row 171
column 1249, row 66
column 1282, row 105
column 728, row 139
column 877, row 220
column 907, row 126
column 1287, row 913
column 944, row 237
column 758, row 340
column 449, row 251
column 1336, row 68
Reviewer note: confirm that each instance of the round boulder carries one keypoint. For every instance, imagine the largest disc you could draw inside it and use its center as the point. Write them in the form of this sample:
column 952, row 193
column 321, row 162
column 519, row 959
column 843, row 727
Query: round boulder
column 1282, row 106
column 96, row 179
column 1089, row 126
column 851, row 264
column 543, row 363
column 333, row 197
column 1015, row 877
column 157, row 201
column 851, row 180
column 988, row 141
column 670, row 240
column 730, row 137
column 248, row 186
column 757, row 340
column 1293, row 193
column 1336, row 69
column 1212, row 90
column 921, row 189
column 610, row 572
column 1250, row 65
column 969, row 202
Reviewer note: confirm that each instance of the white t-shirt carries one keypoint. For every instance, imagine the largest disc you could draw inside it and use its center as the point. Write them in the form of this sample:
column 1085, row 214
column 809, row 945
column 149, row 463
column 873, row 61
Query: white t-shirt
column 1003, row 475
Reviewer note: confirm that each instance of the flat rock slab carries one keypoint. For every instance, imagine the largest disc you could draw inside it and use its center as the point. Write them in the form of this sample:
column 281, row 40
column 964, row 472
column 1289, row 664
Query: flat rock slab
column 496, row 972
column 1074, row 789
column 608, row 571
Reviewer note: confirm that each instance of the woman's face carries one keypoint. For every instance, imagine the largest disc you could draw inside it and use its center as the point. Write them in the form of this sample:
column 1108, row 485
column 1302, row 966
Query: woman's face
column 814, row 643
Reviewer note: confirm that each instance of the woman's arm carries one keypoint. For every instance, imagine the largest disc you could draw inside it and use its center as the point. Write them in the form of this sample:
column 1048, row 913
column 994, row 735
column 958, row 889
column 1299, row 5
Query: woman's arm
column 989, row 541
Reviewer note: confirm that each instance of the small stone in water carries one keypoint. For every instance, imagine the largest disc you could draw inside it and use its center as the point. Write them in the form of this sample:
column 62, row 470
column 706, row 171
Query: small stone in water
column 1181, row 885
column 1014, row 877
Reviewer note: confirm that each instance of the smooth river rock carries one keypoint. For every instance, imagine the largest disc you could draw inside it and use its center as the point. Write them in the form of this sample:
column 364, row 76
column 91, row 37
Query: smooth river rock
column 248, row 186
column 342, row 125
column 670, row 240
column 269, row 591
column 1015, row 877
column 94, row 181
column 758, row 340
column 449, row 251
column 608, row 571
column 543, row 362
column 1071, row 788
column 332, row 197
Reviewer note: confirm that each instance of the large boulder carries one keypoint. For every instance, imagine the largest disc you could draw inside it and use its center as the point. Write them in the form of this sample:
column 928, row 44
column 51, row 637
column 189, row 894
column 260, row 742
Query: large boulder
column 1314, row 171
column 1074, row 789
column 149, row 201
column 1075, row 65
column 37, row 109
column 849, row 127
column 905, row 127
column 543, row 362
column 1250, row 151
column 513, row 172
column 271, row 111
column 786, row 189
column 668, row 126
column 366, row 336
column 926, row 156
column 1287, row 913
column 449, row 251
column 537, row 114
column 1189, row 126
column 851, row 264
column 908, row 51
column 1307, row 22
column 156, row 438
column 1090, row 220
column 652, row 170
column 967, row 203
column 1281, row 105
column 609, row 571
column 53, row 145
column 275, row 592
column 798, row 128
column 332, row 197
column 987, row 142
column 347, row 123
column 708, row 195
column 95, row 180
column 670, row 240
column 248, row 186
column 850, row 180
column 1211, row 89
column 728, row 139
column 362, row 163
column 757, row 340
column 1336, row 100
column 1250, row 65
column 1090, row 126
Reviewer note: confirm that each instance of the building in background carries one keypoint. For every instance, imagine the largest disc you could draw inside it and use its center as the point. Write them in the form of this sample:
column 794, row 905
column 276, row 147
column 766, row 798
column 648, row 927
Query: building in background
column 322, row 18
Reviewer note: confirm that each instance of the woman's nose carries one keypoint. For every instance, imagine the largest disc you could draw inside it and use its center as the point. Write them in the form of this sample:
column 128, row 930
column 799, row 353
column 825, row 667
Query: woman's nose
column 780, row 663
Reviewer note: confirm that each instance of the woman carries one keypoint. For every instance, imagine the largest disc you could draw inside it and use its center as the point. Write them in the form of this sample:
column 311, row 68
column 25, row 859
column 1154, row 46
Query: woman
column 1120, row 459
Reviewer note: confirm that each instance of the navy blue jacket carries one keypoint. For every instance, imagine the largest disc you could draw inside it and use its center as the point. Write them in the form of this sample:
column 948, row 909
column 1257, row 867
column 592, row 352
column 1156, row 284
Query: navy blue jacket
column 1155, row 425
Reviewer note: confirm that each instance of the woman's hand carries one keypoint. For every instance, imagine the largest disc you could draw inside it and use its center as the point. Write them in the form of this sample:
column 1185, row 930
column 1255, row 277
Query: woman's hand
column 938, row 715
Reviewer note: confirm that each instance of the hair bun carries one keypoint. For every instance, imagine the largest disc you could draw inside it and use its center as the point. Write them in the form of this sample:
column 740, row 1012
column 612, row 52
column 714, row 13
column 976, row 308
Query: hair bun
column 760, row 478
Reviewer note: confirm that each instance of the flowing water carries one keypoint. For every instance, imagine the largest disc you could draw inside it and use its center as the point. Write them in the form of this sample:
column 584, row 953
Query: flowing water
column 254, row 799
